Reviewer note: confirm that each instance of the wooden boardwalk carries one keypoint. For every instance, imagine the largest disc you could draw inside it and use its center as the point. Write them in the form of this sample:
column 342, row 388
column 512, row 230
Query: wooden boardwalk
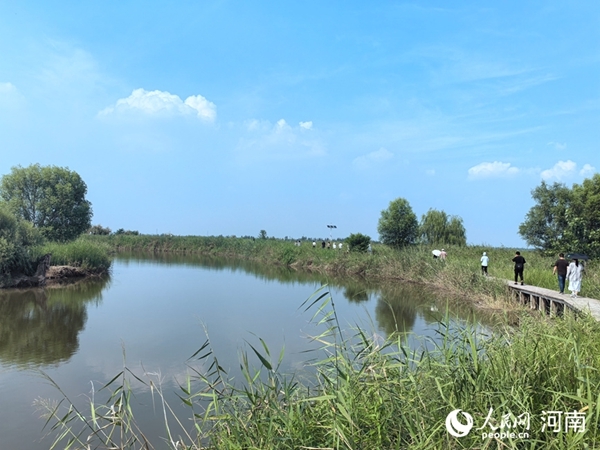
column 552, row 302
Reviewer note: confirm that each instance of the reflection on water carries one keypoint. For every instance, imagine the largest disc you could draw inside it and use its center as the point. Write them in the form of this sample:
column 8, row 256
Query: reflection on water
column 41, row 326
column 153, row 306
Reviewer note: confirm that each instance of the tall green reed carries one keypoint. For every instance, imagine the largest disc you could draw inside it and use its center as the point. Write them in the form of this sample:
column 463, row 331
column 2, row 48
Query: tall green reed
column 361, row 393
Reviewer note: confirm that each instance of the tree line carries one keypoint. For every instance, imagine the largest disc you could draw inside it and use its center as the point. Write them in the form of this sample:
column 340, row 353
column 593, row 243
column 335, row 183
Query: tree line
column 565, row 219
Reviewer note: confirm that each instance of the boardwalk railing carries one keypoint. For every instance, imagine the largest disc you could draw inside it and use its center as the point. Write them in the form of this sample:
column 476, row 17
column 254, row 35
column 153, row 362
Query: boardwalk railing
column 552, row 302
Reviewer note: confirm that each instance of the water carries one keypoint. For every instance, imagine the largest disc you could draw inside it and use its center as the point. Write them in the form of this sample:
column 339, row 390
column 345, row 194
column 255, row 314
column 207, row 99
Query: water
column 151, row 315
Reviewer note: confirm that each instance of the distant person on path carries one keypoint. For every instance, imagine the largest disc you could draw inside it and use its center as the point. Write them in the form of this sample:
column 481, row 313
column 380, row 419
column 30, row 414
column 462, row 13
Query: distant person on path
column 519, row 266
column 560, row 269
column 314, row 244
column 334, row 246
column 574, row 274
column 340, row 245
column 484, row 264
column 443, row 254
column 370, row 249
column 322, row 244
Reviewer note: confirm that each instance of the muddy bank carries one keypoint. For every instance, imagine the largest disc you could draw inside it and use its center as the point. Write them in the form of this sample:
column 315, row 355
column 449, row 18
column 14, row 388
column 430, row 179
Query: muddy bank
column 46, row 274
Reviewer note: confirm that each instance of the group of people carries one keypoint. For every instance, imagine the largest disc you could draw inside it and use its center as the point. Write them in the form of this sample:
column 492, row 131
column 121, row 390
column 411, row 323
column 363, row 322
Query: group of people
column 572, row 271
column 328, row 245
column 565, row 271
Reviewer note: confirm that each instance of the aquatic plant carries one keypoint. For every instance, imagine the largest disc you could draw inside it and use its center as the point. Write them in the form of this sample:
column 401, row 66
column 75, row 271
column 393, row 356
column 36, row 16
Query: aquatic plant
column 362, row 393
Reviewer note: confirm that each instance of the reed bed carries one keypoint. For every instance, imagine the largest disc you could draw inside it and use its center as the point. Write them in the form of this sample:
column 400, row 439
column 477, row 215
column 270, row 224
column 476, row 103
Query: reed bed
column 459, row 273
column 363, row 394
column 94, row 257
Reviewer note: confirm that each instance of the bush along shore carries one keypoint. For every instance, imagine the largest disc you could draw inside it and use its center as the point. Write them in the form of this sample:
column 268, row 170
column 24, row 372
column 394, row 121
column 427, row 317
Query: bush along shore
column 460, row 273
column 534, row 386
column 74, row 259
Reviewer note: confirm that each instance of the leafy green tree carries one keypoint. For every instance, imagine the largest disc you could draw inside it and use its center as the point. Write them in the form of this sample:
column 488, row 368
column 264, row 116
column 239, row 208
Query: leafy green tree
column 546, row 225
column 99, row 230
column 262, row 234
column 439, row 228
column 51, row 198
column 358, row 242
column 16, row 238
column 583, row 217
column 398, row 225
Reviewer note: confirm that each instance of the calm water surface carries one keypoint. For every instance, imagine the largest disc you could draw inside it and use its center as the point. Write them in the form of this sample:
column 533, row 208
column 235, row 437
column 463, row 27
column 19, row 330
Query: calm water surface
column 152, row 313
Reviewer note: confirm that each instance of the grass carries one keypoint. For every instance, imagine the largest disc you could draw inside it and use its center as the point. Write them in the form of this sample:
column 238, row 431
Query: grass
column 364, row 395
column 459, row 273
column 93, row 257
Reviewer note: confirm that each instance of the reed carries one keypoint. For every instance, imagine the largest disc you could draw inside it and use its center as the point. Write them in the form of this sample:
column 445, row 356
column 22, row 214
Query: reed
column 459, row 273
column 363, row 394
column 93, row 257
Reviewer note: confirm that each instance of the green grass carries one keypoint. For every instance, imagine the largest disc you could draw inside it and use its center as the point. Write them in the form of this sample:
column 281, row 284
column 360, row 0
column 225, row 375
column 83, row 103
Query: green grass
column 361, row 395
column 90, row 256
column 461, row 272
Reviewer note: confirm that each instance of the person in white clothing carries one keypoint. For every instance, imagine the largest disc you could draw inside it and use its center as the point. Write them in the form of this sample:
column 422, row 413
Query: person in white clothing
column 484, row 264
column 574, row 275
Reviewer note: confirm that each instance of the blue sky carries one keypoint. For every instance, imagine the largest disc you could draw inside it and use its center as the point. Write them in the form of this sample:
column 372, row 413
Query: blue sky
column 222, row 117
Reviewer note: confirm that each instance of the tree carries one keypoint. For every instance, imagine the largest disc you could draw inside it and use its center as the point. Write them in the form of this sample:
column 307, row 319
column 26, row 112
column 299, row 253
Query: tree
column 439, row 228
column 546, row 222
column 358, row 242
column 16, row 238
column 565, row 219
column 398, row 224
column 51, row 198
column 263, row 234
column 99, row 230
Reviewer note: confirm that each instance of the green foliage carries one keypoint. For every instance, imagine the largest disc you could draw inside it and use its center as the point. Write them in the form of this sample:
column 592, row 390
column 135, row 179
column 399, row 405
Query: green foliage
column 546, row 222
column 16, row 239
column 99, row 230
column 51, row 198
column 121, row 231
column 91, row 256
column 398, row 224
column 565, row 219
column 437, row 228
column 362, row 393
column 262, row 234
column 358, row 242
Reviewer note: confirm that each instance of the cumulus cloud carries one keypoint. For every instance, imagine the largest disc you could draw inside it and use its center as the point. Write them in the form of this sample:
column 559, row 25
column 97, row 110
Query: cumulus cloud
column 560, row 171
column 370, row 159
column 163, row 103
column 493, row 170
column 306, row 125
column 280, row 141
column 587, row 170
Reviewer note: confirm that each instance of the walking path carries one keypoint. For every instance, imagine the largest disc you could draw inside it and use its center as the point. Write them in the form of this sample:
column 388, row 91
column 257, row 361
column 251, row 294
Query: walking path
column 553, row 302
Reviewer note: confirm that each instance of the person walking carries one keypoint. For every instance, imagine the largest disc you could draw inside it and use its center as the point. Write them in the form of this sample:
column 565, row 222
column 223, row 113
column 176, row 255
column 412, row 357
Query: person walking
column 484, row 264
column 443, row 254
column 560, row 269
column 519, row 266
column 574, row 274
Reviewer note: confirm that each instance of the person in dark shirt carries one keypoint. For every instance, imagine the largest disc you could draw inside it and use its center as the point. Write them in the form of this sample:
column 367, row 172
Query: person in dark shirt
column 560, row 269
column 519, row 266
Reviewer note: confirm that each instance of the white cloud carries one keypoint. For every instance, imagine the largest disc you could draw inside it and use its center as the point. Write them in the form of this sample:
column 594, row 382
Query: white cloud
column 278, row 141
column 493, row 170
column 587, row 171
column 306, row 125
column 558, row 145
column 366, row 161
column 163, row 103
column 561, row 170
column 9, row 88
